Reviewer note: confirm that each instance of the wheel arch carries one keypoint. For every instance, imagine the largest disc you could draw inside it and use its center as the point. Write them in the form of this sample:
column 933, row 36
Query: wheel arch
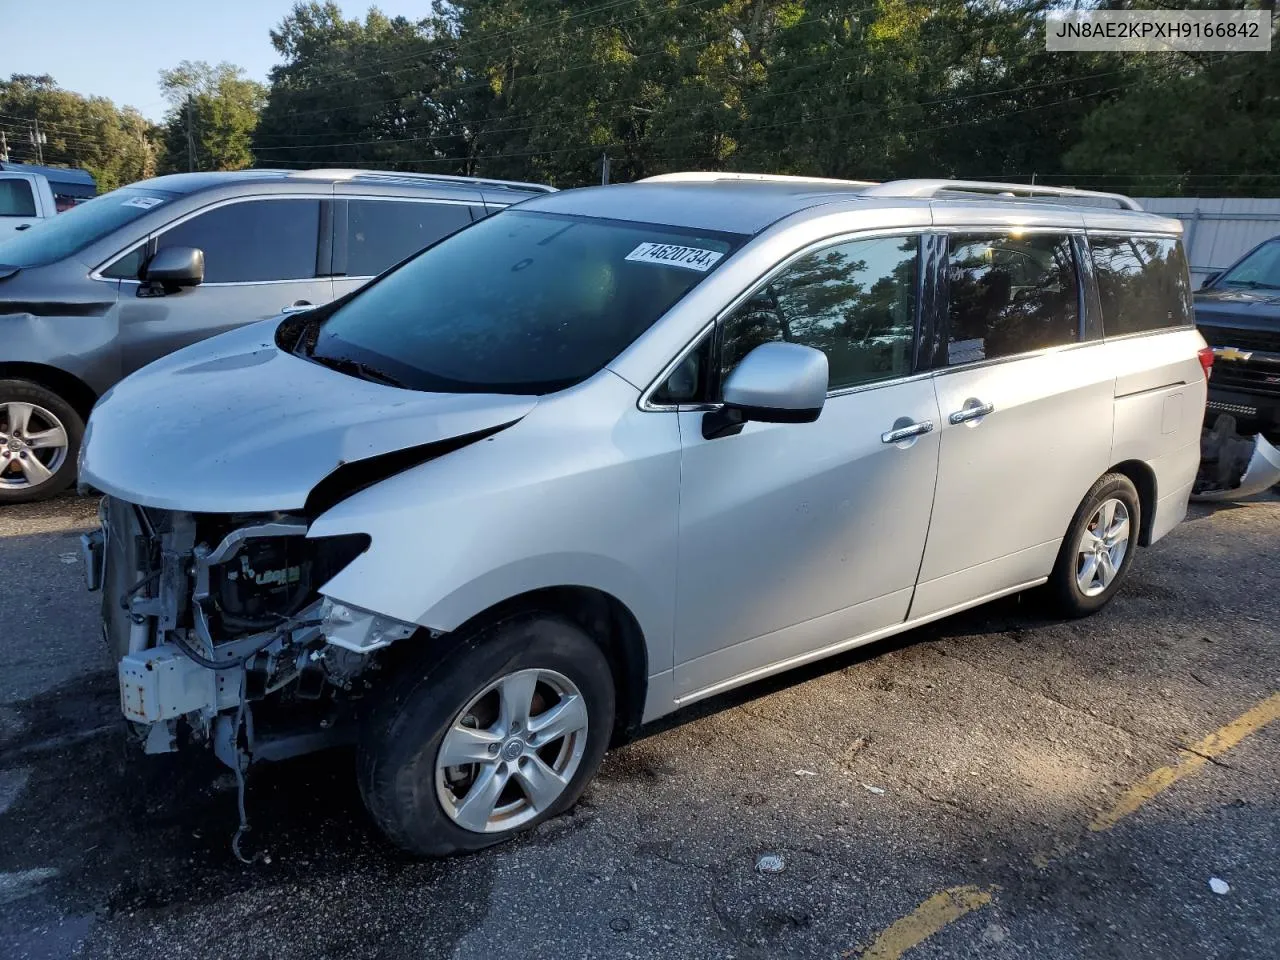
column 604, row 618
column 71, row 388
column 1144, row 479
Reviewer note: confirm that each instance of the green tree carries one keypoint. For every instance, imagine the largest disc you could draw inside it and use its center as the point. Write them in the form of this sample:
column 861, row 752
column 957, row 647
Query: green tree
column 212, row 114
column 1188, row 125
column 116, row 146
column 543, row 89
column 358, row 93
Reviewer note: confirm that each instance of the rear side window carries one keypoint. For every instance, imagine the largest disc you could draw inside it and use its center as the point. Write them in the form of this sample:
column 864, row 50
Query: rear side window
column 1142, row 283
column 856, row 302
column 253, row 241
column 1010, row 294
column 381, row 233
column 16, row 199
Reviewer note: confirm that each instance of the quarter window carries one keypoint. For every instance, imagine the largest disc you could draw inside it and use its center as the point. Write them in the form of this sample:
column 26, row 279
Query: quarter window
column 256, row 240
column 856, row 302
column 381, row 233
column 1010, row 294
column 1143, row 283
column 688, row 382
column 128, row 266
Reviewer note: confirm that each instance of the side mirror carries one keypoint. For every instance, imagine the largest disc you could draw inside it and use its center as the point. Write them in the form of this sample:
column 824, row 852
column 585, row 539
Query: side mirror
column 1209, row 278
column 774, row 383
column 175, row 267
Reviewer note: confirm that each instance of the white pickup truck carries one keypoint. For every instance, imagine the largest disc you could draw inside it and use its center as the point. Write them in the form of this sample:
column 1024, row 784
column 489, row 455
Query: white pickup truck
column 25, row 200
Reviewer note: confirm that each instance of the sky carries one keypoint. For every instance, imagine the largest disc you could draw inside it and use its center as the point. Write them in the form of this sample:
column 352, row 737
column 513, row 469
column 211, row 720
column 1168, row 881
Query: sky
column 118, row 50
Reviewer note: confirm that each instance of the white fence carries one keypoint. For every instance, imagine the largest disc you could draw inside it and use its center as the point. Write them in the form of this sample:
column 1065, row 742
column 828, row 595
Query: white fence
column 1218, row 230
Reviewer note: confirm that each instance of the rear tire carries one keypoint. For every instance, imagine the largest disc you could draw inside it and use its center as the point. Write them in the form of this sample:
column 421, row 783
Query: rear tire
column 40, row 437
column 1098, row 549
column 467, row 707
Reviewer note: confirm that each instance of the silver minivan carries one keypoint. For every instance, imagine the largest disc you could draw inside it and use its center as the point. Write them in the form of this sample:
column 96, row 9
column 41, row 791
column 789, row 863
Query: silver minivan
column 617, row 449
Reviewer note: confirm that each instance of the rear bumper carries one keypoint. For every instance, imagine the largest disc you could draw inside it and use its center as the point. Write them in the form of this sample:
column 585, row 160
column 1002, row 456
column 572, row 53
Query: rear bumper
column 1227, row 475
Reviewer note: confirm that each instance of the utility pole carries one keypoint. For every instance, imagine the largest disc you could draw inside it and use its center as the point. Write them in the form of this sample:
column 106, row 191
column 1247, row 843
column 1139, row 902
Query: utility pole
column 37, row 141
column 4, row 148
column 604, row 169
column 191, row 140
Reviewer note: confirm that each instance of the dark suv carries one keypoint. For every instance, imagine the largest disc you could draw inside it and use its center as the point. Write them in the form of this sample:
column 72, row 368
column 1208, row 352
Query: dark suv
column 94, row 294
column 1238, row 313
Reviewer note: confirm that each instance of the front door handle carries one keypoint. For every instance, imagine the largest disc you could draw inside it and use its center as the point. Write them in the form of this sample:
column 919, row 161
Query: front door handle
column 898, row 434
column 298, row 306
column 972, row 411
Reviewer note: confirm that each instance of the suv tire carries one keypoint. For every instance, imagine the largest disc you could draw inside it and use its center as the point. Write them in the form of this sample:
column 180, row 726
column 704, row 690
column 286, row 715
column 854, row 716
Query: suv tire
column 37, row 429
column 499, row 699
column 1098, row 549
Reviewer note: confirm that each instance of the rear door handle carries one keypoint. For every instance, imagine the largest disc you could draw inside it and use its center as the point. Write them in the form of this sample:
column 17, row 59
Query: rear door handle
column 899, row 434
column 972, row 411
column 298, row 306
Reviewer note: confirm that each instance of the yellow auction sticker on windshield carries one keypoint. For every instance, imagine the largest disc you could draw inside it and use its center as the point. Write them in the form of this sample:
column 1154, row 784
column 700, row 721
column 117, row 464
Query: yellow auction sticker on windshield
column 674, row 255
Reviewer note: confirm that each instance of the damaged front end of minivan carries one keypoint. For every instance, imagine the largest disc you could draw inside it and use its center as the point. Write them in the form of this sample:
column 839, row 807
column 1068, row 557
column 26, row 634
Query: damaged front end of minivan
column 1233, row 467
column 209, row 616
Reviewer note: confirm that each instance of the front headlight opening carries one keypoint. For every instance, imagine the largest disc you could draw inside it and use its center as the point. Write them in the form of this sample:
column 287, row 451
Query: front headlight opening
column 272, row 578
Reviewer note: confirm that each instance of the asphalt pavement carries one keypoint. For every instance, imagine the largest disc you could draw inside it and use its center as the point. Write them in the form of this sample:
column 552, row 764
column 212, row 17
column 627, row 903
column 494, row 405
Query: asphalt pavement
column 995, row 785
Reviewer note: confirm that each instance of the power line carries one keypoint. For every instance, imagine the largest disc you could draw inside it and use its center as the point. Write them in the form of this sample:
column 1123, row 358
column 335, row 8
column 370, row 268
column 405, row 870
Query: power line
column 461, row 125
column 72, row 124
column 596, row 148
column 747, row 129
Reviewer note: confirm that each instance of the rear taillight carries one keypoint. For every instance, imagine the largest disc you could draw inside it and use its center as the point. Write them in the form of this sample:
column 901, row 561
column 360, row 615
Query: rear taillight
column 1206, row 361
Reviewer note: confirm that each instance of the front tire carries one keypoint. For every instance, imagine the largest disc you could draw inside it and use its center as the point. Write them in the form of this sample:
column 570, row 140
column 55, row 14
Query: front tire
column 492, row 741
column 1098, row 549
column 40, row 436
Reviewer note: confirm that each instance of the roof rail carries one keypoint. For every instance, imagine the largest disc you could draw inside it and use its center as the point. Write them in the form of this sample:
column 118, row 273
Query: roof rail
column 351, row 174
column 707, row 176
column 931, row 188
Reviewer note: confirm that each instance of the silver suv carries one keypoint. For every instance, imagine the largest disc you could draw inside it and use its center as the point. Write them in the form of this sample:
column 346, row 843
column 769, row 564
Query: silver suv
column 618, row 449
column 109, row 286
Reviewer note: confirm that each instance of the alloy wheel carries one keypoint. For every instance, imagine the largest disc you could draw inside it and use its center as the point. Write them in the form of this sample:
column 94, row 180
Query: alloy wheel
column 511, row 751
column 33, row 444
column 1102, row 548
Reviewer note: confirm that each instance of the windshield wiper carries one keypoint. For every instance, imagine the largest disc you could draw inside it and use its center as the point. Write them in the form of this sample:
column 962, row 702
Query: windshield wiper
column 356, row 368
column 1253, row 284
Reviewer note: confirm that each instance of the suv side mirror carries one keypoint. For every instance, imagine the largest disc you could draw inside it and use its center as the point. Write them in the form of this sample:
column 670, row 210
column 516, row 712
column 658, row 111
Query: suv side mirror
column 175, row 267
column 1209, row 278
column 774, row 383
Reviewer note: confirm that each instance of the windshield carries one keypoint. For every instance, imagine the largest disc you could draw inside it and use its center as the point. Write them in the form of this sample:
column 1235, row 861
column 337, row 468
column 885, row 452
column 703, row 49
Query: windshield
column 1260, row 269
column 522, row 302
column 80, row 226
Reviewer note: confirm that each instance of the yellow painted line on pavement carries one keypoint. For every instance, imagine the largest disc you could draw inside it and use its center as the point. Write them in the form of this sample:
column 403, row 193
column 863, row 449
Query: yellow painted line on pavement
column 924, row 921
column 1189, row 761
column 949, row 905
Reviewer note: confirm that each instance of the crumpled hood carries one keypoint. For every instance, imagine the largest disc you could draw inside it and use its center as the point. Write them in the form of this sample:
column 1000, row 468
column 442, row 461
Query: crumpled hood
column 234, row 424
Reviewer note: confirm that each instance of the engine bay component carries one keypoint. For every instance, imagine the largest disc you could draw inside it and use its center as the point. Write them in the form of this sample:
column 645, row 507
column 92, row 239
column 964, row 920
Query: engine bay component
column 262, row 574
column 161, row 684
